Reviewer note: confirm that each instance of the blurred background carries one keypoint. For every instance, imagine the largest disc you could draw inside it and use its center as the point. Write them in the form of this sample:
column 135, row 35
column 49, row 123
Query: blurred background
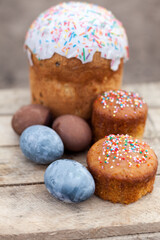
column 141, row 19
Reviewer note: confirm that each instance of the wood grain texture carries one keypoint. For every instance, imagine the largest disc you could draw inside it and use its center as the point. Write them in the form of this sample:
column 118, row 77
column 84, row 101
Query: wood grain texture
column 146, row 236
column 30, row 211
column 10, row 138
column 16, row 169
column 12, row 99
column 155, row 119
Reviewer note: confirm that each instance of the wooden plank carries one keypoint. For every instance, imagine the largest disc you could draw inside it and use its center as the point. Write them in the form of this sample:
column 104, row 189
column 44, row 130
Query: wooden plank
column 16, row 169
column 30, row 212
column 149, row 91
column 150, row 130
column 10, row 138
column 147, row 236
column 12, row 99
column 155, row 118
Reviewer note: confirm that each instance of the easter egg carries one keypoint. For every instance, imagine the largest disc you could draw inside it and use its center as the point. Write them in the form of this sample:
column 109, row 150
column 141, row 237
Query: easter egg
column 74, row 132
column 32, row 114
column 41, row 144
column 69, row 181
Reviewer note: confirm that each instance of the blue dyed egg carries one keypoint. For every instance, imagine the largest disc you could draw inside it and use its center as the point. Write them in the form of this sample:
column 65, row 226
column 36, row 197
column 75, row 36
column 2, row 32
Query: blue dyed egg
column 41, row 144
column 69, row 181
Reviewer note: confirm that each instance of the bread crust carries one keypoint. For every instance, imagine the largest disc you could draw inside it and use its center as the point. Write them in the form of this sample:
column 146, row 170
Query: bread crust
column 67, row 86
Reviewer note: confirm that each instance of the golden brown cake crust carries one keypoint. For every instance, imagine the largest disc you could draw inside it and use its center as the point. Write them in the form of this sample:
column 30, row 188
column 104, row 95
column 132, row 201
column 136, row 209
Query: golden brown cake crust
column 118, row 117
column 67, row 86
column 123, row 168
column 122, row 192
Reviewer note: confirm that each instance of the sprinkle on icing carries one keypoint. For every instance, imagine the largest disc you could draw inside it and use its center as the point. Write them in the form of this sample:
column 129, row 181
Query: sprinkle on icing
column 119, row 148
column 121, row 99
column 76, row 29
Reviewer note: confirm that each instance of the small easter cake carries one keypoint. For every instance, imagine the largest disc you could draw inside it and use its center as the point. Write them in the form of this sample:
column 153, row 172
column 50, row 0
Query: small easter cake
column 119, row 112
column 123, row 168
column 76, row 51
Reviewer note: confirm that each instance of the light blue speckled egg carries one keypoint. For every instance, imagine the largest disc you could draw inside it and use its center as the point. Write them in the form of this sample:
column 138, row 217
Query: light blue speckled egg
column 41, row 144
column 69, row 181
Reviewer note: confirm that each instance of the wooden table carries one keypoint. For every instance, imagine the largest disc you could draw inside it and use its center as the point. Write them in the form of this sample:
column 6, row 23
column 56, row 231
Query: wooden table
column 28, row 211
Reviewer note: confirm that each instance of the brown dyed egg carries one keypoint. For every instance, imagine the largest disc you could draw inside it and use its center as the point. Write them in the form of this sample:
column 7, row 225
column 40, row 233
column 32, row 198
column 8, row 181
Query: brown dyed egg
column 33, row 114
column 74, row 132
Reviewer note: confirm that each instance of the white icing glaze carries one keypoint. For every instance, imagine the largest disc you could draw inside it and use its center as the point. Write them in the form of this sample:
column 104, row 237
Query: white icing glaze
column 29, row 57
column 76, row 29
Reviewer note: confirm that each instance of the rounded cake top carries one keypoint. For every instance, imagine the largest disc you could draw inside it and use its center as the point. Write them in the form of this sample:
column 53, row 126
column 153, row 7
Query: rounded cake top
column 120, row 103
column 122, row 157
column 76, row 29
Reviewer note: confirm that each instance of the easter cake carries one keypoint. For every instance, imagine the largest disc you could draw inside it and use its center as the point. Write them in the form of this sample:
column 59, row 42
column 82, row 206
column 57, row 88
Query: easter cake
column 123, row 168
column 76, row 51
column 119, row 112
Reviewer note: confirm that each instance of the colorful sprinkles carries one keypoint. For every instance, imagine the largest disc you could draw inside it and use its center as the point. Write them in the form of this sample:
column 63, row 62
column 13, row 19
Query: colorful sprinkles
column 119, row 148
column 121, row 99
column 76, row 29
